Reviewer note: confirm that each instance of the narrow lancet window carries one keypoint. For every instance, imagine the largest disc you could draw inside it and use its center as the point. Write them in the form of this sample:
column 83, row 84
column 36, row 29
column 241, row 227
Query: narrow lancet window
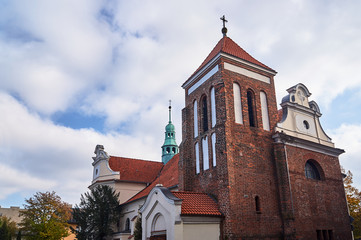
column 195, row 116
column 251, row 110
column 258, row 206
column 264, row 110
column 205, row 153
column 213, row 107
column 213, row 138
column 237, row 104
column 204, row 114
column 197, row 157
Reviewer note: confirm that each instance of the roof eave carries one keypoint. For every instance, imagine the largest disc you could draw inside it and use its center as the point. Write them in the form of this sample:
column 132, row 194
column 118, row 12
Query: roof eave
column 207, row 66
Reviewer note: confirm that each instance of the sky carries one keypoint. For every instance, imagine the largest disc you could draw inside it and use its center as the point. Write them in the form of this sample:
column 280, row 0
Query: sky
column 74, row 74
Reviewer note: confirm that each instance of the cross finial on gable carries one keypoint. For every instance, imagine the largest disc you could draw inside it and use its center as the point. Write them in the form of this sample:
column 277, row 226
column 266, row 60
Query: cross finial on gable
column 224, row 29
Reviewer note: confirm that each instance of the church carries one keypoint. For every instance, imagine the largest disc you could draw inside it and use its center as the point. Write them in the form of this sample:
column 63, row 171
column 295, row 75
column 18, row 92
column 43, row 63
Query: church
column 244, row 169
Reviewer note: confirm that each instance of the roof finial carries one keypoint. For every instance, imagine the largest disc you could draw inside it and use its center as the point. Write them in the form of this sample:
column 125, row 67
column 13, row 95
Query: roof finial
column 224, row 29
column 170, row 109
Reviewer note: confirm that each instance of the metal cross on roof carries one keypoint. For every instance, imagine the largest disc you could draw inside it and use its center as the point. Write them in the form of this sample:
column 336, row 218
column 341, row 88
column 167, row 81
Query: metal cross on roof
column 224, row 21
column 224, row 29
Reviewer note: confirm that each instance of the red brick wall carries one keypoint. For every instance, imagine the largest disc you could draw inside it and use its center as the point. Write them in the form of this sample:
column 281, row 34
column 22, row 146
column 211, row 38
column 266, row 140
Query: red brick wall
column 318, row 204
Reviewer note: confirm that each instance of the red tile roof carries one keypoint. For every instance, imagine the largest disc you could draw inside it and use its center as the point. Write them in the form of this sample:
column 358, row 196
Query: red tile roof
column 135, row 170
column 197, row 204
column 168, row 177
column 227, row 45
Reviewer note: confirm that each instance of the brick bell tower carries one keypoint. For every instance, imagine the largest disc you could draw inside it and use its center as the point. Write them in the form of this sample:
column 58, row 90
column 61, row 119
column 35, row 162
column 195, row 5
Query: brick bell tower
column 227, row 147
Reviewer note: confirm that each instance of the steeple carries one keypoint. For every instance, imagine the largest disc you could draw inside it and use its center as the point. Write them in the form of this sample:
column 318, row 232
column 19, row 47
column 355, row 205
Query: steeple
column 170, row 147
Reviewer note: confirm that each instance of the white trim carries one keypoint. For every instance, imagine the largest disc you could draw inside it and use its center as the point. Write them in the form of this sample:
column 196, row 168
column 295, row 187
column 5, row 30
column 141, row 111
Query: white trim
column 202, row 70
column 205, row 153
column 203, row 79
column 213, row 137
column 246, row 72
column 196, row 146
column 195, row 118
column 213, row 107
column 237, row 102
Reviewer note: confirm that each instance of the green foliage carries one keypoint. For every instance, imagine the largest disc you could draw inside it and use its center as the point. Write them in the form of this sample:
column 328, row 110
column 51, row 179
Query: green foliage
column 45, row 217
column 138, row 229
column 8, row 228
column 353, row 197
column 97, row 213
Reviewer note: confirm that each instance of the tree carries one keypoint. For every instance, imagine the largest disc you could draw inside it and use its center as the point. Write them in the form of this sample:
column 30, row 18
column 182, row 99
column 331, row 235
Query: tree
column 353, row 197
column 97, row 213
column 138, row 228
column 45, row 217
column 8, row 228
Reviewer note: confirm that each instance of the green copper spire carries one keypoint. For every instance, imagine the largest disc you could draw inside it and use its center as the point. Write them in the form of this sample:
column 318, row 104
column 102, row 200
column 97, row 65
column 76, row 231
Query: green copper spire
column 170, row 147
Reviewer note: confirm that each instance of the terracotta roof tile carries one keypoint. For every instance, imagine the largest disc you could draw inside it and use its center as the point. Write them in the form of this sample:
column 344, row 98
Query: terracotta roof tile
column 168, row 177
column 197, row 204
column 135, row 170
column 227, row 45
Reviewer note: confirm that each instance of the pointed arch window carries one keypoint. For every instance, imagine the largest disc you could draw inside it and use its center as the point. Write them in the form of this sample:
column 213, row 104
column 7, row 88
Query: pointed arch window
column 264, row 111
column 195, row 116
column 251, row 108
column 237, row 103
column 204, row 114
column 205, row 153
column 127, row 225
column 213, row 138
column 213, row 107
column 196, row 150
column 311, row 171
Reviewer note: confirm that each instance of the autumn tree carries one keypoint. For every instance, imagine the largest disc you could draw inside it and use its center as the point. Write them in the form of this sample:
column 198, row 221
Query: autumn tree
column 45, row 216
column 353, row 197
column 97, row 213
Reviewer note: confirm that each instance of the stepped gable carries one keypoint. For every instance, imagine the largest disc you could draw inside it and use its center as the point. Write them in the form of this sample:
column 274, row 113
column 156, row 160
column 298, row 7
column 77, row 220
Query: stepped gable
column 194, row 203
column 168, row 177
column 135, row 170
column 227, row 45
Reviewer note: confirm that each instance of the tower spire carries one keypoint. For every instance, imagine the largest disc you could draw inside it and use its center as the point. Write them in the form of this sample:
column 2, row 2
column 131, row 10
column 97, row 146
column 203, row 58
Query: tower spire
column 170, row 147
column 170, row 111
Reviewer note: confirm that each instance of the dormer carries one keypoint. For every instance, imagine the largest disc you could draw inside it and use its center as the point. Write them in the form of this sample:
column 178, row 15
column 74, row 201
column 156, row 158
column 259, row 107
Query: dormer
column 300, row 117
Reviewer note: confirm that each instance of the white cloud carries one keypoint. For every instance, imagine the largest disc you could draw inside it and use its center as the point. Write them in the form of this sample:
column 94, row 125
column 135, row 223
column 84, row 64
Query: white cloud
column 52, row 157
column 348, row 137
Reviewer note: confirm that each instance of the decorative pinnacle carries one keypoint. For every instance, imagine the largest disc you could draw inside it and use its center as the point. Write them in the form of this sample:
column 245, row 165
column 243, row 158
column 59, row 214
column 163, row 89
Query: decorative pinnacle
column 170, row 110
column 224, row 29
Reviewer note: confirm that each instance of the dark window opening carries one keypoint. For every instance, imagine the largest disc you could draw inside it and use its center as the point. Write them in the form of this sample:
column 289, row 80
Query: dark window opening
column 258, row 206
column 311, row 171
column 330, row 235
column 168, row 149
column 127, row 225
column 204, row 114
column 325, row 234
column 251, row 111
column 173, row 149
column 319, row 235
